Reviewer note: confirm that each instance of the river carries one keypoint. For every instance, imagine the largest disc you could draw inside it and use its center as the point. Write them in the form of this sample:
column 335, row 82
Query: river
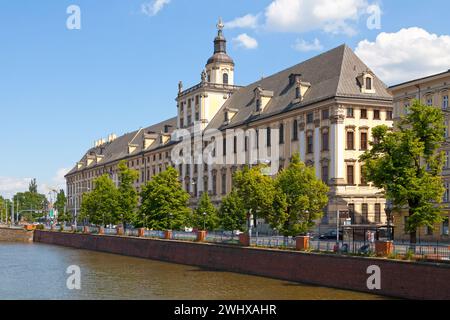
column 37, row 271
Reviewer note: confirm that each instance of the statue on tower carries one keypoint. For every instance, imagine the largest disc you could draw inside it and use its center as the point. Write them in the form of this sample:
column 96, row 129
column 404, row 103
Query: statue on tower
column 203, row 76
column 220, row 26
column 180, row 86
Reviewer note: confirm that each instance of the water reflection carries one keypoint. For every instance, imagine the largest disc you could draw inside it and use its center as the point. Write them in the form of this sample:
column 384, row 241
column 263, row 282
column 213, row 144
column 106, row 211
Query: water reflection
column 38, row 271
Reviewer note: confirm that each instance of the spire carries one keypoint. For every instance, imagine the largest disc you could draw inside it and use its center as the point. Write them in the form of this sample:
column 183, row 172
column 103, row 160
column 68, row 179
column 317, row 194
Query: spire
column 220, row 43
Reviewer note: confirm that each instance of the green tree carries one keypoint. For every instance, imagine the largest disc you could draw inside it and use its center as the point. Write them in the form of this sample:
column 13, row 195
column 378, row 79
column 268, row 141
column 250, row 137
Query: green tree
column 256, row 190
column 164, row 203
column 407, row 165
column 205, row 215
column 128, row 196
column 301, row 199
column 60, row 205
column 232, row 214
column 101, row 205
column 29, row 203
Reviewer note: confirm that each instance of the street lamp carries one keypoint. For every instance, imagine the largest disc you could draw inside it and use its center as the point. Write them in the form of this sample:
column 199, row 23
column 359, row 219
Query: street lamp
column 170, row 221
column 204, row 221
column 388, row 209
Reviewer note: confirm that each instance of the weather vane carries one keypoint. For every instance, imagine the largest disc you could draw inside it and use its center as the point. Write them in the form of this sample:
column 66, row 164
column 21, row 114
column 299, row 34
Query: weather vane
column 220, row 25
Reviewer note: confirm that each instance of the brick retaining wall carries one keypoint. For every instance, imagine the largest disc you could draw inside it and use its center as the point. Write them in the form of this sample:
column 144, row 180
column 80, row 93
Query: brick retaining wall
column 15, row 235
column 398, row 278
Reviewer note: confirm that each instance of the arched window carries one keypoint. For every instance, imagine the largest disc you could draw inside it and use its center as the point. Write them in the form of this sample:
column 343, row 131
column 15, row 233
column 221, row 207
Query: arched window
column 368, row 83
column 225, row 78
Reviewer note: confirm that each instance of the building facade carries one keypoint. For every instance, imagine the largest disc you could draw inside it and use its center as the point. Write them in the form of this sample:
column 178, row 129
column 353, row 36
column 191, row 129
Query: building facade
column 433, row 91
column 323, row 108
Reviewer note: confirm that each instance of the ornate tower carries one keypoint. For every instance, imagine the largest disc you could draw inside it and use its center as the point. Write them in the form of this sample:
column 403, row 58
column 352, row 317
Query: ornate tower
column 220, row 67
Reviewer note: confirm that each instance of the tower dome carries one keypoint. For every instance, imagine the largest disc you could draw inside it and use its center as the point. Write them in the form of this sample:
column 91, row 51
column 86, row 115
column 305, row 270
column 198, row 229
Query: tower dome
column 220, row 48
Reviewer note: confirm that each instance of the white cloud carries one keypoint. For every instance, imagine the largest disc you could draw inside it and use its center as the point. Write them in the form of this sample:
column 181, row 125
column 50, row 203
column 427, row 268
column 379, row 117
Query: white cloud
column 245, row 41
column 247, row 21
column 10, row 186
column 305, row 15
column 305, row 46
column 152, row 8
column 405, row 55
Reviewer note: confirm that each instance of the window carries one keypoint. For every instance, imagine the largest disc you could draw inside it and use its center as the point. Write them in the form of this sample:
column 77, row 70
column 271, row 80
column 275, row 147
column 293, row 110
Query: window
column 189, row 120
column 445, row 102
column 197, row 116
column 365, row 212
column 295, row 130
column 224, row 146
column 310, row 118
column 445, row 227
column 214, row 184
column 181, row 122
column 325, row 141
column 447, row 160
column 429, row 101
column 446, row 129
column 225, row 78
column 405, row 225
column 298, row 93
column 269, row 137
column 389, row 115
column 325, row 114
column 429, row 231
column 377, row 213
column 281, row 128
column 363, row 113
column 363, row 179
column 350, row 113
column 325, row 173
column 363, row 140
column 446, row 197
column 376, row 114
column 224, row 183
column 350, row 140
column 368, row 83
column 310, row 144
column 258, row 105
column 235, row 145
column 350, row 175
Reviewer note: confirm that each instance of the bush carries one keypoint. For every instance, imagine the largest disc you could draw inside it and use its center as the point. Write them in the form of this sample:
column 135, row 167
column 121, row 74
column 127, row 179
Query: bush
column 40, row 227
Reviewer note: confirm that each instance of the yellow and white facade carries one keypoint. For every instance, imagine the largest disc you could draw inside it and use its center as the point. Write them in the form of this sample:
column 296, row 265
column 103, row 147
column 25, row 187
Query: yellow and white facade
column 323, row 108
column 434, row 91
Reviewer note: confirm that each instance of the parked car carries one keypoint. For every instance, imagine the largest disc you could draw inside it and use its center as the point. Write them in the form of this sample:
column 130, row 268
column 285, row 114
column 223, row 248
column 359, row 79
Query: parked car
column 331, row 235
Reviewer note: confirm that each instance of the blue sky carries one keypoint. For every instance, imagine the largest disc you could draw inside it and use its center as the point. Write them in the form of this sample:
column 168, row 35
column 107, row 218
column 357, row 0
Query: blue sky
column 62, row 89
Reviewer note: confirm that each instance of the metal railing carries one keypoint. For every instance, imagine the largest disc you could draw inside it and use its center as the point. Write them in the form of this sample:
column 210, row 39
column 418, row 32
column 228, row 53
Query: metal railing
column 401, row 250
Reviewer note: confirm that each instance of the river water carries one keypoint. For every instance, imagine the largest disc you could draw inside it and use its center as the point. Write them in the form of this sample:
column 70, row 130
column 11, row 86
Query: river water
column 37, row 271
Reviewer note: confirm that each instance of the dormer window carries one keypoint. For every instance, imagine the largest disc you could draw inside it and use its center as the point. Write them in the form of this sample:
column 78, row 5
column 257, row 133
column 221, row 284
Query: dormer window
column 298, row 93
column 226, row 116
column 368, row 83
column 258, row 105
column 365, row 81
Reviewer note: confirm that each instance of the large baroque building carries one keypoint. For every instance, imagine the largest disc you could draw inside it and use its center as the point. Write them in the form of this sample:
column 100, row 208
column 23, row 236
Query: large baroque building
column 323, row 108
column 433, row 91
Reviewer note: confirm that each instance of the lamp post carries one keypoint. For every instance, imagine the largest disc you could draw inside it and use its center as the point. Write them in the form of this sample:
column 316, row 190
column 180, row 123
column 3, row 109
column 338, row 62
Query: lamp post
column 204, row 221
column 388, row 209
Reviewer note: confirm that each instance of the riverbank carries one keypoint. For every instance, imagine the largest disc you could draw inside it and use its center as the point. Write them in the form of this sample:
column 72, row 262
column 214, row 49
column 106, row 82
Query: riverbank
column 8, row 234
column 398, row 278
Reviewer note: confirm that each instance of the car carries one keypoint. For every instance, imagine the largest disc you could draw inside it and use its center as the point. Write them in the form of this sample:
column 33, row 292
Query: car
column 330, row 235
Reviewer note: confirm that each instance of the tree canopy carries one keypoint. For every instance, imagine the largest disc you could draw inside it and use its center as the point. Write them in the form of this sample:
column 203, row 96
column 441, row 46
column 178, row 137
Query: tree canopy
column 205, row 216
column 101, row 206
column 128, row 197
column 304, row 196
column 407, row 165
column 164, row 203
column 232, row 214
